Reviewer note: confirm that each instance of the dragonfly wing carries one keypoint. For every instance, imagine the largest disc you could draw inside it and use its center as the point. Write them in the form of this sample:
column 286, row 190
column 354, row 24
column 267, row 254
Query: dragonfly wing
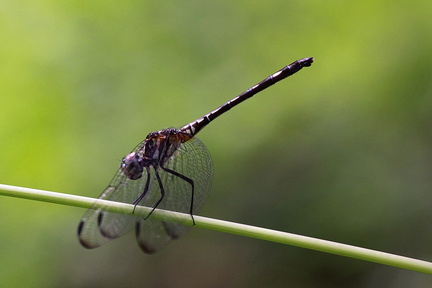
column 97, row 226
column 151, row 235
column 192, row 160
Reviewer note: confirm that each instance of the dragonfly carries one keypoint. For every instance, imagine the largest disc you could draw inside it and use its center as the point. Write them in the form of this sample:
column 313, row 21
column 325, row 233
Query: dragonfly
column 170, row 169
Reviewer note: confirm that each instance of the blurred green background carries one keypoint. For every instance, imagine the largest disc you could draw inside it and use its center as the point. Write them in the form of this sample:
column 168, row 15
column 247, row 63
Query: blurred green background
column 340, row 151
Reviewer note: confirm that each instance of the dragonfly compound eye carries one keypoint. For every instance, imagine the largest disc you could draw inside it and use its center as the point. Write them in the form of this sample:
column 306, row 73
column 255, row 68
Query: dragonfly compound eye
column 131, row 166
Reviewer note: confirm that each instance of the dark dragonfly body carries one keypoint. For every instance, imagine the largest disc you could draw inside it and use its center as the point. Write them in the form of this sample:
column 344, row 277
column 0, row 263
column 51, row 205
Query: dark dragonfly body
column 172, row 170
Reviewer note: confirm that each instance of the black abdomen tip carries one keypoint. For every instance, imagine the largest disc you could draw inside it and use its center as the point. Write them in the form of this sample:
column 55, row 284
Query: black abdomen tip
column 306, row 62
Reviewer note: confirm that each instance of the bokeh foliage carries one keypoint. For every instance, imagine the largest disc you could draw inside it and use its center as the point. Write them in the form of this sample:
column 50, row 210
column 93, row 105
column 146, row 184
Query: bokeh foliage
column 340, row 151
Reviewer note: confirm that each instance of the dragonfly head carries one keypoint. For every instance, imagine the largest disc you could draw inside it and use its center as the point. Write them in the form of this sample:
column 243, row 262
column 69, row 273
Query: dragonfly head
column 132, row 166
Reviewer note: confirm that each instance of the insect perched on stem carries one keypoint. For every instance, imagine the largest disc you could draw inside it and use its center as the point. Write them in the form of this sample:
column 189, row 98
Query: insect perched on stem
column 172, row 170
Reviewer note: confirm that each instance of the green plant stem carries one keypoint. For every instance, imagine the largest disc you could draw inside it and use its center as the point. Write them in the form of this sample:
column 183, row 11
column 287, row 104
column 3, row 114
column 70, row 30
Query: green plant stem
column 225, row 226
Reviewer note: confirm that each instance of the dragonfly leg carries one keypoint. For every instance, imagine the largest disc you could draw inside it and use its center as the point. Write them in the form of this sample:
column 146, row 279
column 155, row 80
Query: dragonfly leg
column 162, row 192
column 190, row 181
column 146, row 188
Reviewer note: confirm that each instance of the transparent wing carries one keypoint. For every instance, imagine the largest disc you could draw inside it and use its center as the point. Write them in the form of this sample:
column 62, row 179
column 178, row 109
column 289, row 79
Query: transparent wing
column 98, row 227
column 192, row 160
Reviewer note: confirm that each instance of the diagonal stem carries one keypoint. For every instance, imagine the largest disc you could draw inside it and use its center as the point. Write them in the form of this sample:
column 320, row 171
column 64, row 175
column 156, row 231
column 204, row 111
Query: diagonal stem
column 225, row 226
